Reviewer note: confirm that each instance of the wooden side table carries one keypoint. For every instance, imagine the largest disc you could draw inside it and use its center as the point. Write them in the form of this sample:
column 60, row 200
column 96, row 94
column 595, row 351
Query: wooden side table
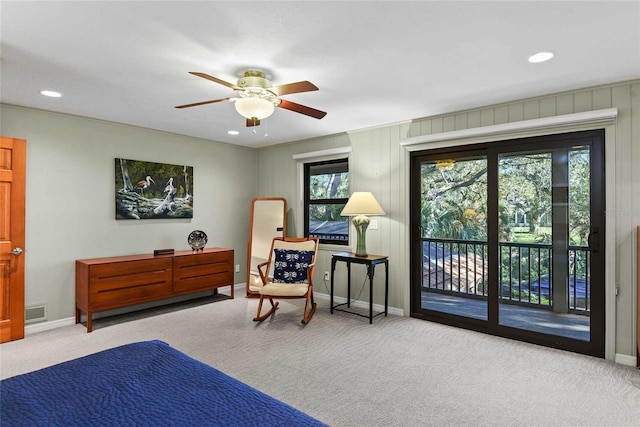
column 371, row 261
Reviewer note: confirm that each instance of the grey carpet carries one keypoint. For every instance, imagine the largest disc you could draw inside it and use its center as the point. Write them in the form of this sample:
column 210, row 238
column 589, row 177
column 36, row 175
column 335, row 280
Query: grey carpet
column 343, row 371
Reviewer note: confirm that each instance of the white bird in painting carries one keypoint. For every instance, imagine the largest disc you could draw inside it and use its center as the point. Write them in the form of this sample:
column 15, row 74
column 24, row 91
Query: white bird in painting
column 169, row 186
column 144, row 184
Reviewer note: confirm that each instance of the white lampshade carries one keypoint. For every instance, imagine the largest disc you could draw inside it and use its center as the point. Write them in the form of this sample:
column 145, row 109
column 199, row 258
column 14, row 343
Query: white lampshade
column 254, row 108
column 362, row 203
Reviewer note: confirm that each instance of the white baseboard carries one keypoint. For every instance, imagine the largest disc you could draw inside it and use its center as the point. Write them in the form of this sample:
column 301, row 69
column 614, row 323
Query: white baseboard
column 623, row 359
column 239, row 290
column 360, row 304
column 46, row 326
column 241, row 287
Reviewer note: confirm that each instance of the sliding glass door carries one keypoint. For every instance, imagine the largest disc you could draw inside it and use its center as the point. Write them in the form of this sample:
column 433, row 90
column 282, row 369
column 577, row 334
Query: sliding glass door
column 453, row 235
column 506, row 239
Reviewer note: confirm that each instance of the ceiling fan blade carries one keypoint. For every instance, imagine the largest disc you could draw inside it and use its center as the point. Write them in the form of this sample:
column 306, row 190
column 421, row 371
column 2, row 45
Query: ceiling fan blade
column 252, row 123
column 202, row 103
column 302, row 109
column 297, row 87
column 214, row 79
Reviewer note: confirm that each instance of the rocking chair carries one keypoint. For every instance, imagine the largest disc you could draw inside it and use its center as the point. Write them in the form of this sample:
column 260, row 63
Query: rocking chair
column 287, row 274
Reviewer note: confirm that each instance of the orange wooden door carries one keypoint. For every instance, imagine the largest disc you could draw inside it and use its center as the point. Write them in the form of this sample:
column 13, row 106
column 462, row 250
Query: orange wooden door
column 12, row 237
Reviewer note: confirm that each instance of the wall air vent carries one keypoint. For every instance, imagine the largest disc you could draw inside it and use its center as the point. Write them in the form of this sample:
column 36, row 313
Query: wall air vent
column 35, row 313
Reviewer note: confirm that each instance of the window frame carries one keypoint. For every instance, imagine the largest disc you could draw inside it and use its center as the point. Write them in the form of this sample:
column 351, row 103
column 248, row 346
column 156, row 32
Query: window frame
column 308, row 202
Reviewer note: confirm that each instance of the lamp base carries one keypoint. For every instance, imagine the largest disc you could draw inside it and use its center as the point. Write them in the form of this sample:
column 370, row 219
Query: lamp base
column 361, row 222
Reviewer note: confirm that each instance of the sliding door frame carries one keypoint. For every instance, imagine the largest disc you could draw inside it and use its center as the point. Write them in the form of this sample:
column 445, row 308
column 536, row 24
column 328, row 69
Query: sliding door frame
column 596, row 346
column 415, row 275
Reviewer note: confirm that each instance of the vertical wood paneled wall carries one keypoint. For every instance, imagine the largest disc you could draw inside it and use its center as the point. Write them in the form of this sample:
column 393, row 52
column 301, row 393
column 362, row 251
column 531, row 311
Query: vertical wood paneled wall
column 378, row 164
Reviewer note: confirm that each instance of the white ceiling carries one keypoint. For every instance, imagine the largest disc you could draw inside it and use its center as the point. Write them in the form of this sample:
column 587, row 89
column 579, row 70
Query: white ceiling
column 375, row 62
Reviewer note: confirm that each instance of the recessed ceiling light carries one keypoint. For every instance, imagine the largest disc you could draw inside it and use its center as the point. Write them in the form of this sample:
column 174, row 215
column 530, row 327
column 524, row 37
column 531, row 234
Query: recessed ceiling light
column 233, row 132
column 541, row 57
column 51, row 93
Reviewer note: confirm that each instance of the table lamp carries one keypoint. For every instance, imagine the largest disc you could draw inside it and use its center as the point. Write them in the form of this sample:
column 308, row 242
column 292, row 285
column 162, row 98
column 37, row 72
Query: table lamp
column 361, row 204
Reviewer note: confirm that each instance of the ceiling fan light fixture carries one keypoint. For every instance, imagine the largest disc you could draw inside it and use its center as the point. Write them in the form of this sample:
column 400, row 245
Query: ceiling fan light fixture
column 254, row 108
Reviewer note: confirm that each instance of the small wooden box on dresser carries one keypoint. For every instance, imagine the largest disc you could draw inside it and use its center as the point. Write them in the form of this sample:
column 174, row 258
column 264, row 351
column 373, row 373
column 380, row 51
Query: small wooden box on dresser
column 115, row 282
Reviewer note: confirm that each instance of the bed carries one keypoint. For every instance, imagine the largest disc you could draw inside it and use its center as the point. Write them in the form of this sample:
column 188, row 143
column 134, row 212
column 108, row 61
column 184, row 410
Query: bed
column 145, row 383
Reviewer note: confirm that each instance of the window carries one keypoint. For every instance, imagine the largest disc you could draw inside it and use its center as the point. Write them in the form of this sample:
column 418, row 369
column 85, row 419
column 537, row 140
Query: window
column 326, row 191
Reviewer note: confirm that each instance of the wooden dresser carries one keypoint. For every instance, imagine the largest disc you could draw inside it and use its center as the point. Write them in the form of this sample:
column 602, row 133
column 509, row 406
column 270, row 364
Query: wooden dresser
column 115, row 282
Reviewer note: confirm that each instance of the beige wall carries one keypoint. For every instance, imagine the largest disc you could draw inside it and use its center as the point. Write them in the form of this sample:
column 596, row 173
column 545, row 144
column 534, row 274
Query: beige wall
column 70, row 209
column 380, row 164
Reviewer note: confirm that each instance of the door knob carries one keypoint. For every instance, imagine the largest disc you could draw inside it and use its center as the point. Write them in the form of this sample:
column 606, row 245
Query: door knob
column 16, row 251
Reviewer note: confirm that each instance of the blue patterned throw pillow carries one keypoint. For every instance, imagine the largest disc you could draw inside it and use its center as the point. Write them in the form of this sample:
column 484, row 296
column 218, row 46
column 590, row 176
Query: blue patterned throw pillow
column 290, row 266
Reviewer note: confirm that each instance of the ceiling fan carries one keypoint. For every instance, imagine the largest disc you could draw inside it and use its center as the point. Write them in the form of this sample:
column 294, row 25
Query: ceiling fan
column 257, row 98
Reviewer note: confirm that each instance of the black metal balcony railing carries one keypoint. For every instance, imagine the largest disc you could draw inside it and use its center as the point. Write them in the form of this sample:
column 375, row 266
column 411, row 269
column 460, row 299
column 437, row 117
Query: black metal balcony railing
column 460, row 267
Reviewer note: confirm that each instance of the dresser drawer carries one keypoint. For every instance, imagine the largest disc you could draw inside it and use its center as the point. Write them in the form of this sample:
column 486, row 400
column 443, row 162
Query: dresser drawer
column 202, row 271
column 121, row 270
column 125, row 283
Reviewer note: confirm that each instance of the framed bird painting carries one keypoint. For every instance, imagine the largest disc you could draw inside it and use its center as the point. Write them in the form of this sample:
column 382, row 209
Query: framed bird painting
column 147, row 190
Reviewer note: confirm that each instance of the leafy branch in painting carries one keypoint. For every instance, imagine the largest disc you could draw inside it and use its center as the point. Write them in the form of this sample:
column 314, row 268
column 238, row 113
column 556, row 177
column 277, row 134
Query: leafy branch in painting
column 146, row 190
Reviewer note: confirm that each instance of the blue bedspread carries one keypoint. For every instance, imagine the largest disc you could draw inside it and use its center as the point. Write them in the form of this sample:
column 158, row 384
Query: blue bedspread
column 146, row 383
